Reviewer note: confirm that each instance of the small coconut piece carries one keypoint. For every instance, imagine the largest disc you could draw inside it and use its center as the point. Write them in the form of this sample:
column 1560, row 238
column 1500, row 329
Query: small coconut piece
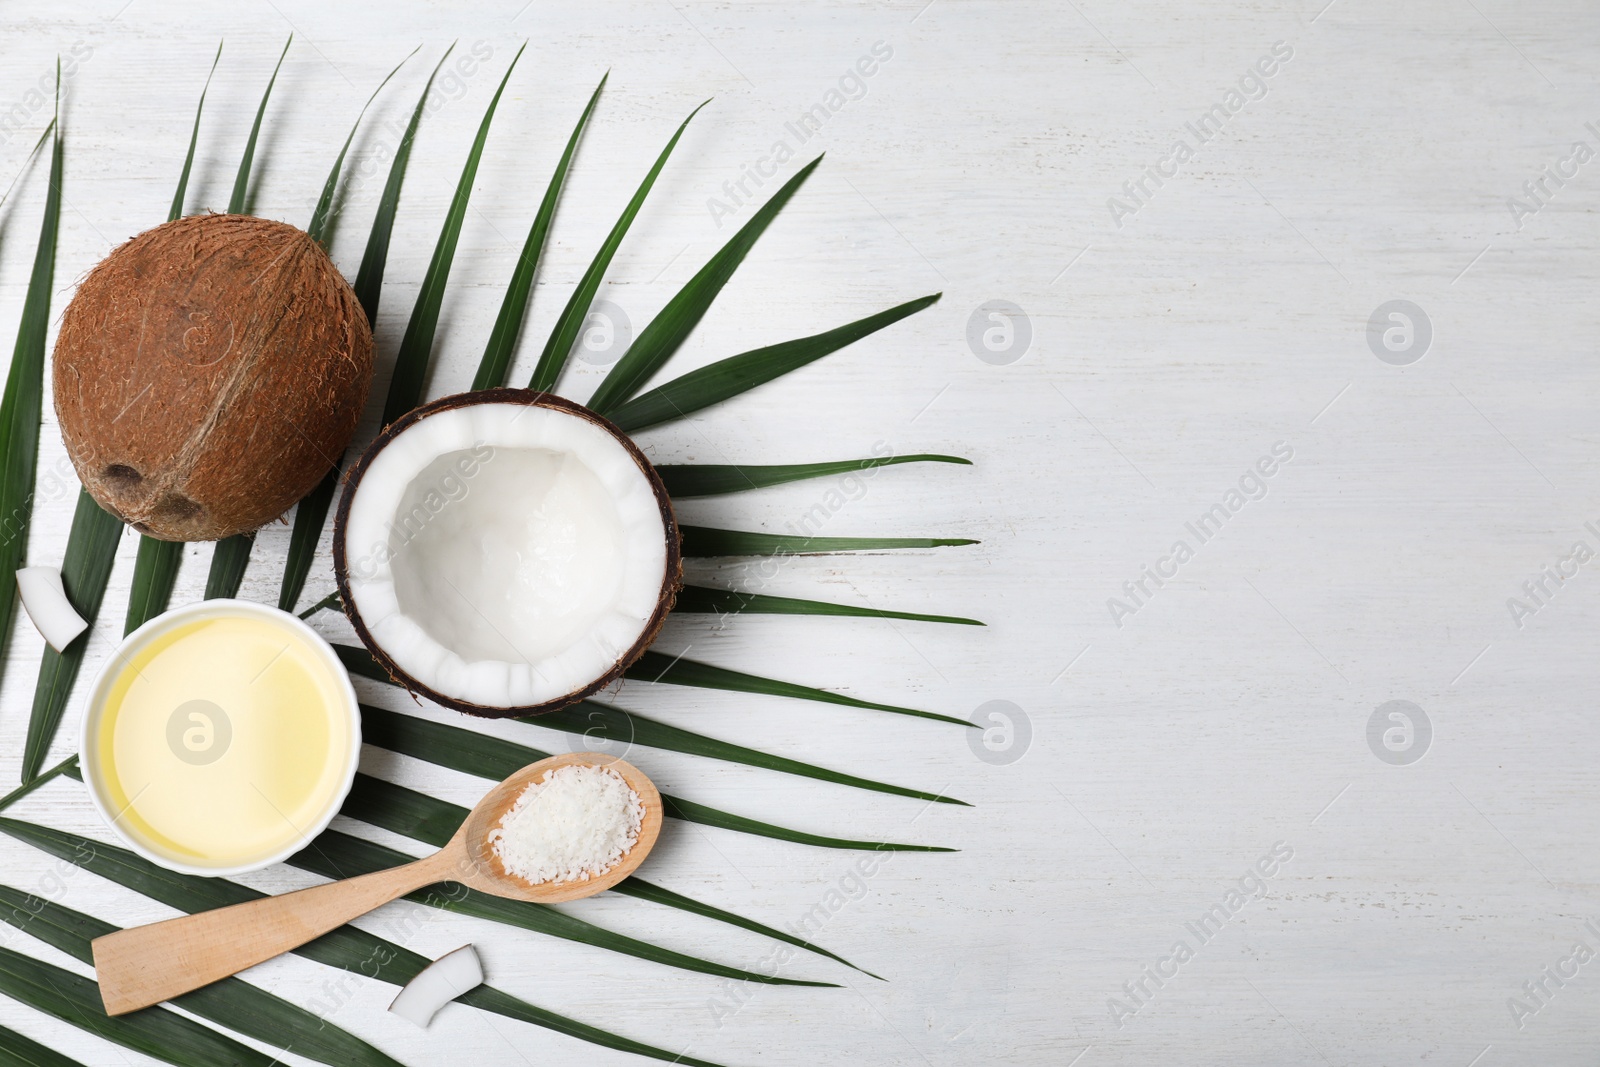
column 505, row 552
column 44, row 598
column 437, row 984
column 208, row 373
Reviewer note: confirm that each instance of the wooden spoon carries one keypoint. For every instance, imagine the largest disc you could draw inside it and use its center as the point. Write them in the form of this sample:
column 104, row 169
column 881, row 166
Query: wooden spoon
column 145, row 965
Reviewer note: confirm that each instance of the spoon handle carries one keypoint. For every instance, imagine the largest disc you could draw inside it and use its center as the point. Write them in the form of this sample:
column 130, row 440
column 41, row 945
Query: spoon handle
column 145, row 965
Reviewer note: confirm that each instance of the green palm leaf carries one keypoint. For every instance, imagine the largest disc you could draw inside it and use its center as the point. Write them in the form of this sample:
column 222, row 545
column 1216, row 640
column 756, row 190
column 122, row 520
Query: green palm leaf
column 312, row 513
column 703, row 600
column 570, row 324
column 322, row 214
column 332, row 601
column 241, row 180
column 369, row 277
column 411, row 363
column 502, row 344
column 19, row 427
column 232, row 554
column 714, row 479
column 310, row 516
column 359, row 856
column 488, row 998
column 25, row 1052
column 729, row 377
column 23, row 401
column 604, row 721
column 593, row 719
column 231, row 1003
column 702, row 541
column 658, row 341
column 194, row 137
column 639, row 888
column 675, row 670
column 689, row 811
column 155, row 571
column 66, row 765
column 229, row 560
column 44, row 139
column 347, row 948
column 156, row 1032
column 487, row 756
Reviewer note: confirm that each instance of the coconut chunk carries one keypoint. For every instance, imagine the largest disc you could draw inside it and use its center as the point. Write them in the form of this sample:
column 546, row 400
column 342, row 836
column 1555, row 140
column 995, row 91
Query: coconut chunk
column 437, row 984
column 44, row 598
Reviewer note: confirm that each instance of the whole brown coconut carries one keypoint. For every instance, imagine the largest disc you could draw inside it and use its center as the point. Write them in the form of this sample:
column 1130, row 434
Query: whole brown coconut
column 208, row 374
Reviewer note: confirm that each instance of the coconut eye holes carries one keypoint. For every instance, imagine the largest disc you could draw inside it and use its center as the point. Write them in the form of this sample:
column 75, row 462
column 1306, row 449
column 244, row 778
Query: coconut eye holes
column 122, row 476
column 177, row 508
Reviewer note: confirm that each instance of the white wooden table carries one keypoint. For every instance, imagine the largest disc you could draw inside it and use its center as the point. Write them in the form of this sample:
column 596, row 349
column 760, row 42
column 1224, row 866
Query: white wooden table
column 1178, row 329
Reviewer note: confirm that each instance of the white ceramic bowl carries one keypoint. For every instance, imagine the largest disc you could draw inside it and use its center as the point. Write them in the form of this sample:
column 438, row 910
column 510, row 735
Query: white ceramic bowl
column 93, row 766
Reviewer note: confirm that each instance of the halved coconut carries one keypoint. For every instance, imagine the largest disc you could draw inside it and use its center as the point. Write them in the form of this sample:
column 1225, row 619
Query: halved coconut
column 505, row 552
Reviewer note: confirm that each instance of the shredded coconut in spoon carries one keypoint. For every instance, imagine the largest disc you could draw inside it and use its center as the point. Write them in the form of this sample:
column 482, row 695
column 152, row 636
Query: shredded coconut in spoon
column 574, row 825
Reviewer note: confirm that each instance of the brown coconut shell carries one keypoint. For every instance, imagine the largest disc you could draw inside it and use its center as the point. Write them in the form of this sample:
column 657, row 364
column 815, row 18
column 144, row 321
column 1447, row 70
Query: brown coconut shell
column 671, row 583
column 209, row 373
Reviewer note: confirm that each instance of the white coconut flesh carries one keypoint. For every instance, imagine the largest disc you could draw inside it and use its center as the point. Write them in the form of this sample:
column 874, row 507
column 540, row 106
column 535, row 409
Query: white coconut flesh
column 505, row 554
column 44, row 598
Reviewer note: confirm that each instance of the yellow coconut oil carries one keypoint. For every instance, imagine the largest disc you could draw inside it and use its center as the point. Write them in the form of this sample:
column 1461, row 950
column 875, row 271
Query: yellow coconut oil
column 223, row 740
